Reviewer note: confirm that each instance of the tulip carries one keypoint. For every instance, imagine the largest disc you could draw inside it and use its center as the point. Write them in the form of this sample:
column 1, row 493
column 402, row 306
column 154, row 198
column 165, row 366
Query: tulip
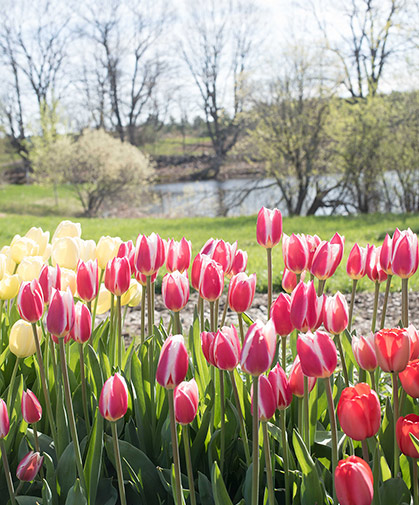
column 405, row 426
column 414, row 342
column 87, row 280
column 10, row 264
column 173, row 362
column 186, row 398
column 65, row 252
column 113, row 401
column 313, row 242
column 211, row 281
column 67, row 229
column 296, row 379
column 317, row 353
column 68, row 280
column 405, row 254
column 3, row 265
column 196, row 270
column 295, row 252
column 82, row 328
column 106, row 249
column 127, row 250
column 132, row 297
column 142, row 279
column 4, row 430
column 326, row 259
column 269, row 227
column 61, row 314
column 373, row 267
column 354, row 482
column 241, row 292
column 4, row 420
column 359, row 411
column 29, row 466
column 364, row 352
column 21, row 341
column 393, row 349
column 335, row 313
column 281, row 315
column 357, row 262
column 149, row 254
column 118, row 275
column 385, row 255
column 87, row 250
column 225, row 348
column 31, row 408
column 175, row 290
column 178, row 255
column 258, row 348
column 9, row 286
column 207, row 345
column 30, row 301
column 280, row 386
column 104, row 300
column 49, row 277
column 289, row 280
column 306, row 307
column 239, row 262
column 267, row 401
column 20, row 247
column 29, row 268
column 410, row 378
column 40, row 237
column 221, row 252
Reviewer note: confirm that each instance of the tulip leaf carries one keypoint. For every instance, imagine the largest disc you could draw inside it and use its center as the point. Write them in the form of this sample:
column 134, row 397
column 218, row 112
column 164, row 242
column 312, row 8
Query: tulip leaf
column 106, row 493
column 46, row 494
column 76, row 495
column 66, row 470
column 247, row 319
column 94, row 367
column 203, row 375
column 415, row 441
column 205, row 489
column 219, row 489
column 29, row 500
column 93, row 463
column 394, row 492
column 173, row 486
column 347, row 346
column 51, row 476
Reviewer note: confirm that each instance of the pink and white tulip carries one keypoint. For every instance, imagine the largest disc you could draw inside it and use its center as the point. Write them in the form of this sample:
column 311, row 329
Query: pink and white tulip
column 178, row 255
column 149, row 254
column 61, row 314
column 295, row 252
column 173, row 362
column 335, row 313
column 318, row 355
column 113, row 401
column 268, row 227
column 82, row 328
column 49, row 277
column 241, row 292
column 118, row 276
column 186, row 399
column 258, row 348
column 31, row 408
column 30, row 301
column 87, row 280
column 175, row 290
column 306, row 309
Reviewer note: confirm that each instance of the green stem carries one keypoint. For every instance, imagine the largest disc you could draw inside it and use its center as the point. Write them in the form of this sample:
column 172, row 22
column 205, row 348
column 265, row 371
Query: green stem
column 102, row 273
column 255, row 441
column 306, row 414
column 241, row 420
column 284, row 353
column 118, row 464
column 11, row 385
column 365, row 453
column 373, row 384
column 175, row 447
column 387, row 292
column 285, row 456
column 395, row 418
column 7, row 472
column 112, row 331
column 333, row 429
column 405, row 303
column 143, row 297
column 320, row 287
column 83, row 388
column 268, row 465
column 401, row 400
column 153, row 296
column 212, row 317
column 187, row 447
column 240, row 318
column 415, row 481
column 176, row 326
column 269, row 258
column 222, row 414
column 216, row 309
column 300, row 415
column 342, row 359
column 201, row 307
column 223, row 317
column 374, row 312
column 70, row 414
column 119, row 335
column 35, row 437
column 149, row 307
column 351, row 305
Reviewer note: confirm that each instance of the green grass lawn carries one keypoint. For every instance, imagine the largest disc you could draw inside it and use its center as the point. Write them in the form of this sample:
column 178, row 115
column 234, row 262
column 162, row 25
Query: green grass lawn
column 27, row 203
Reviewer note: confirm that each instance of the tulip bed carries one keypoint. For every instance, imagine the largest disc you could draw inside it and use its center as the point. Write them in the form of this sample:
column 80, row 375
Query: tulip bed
column 297, row 408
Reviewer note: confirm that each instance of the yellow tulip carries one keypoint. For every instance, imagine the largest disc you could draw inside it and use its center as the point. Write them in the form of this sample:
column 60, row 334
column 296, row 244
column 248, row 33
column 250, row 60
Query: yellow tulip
column 104, row 300
column 10, row 264
column 68, row 280
column 67, row 229
column 3, row 265
column 39, row 236
column 107, row 249
column 30, row 268
column 87, row 249
column 132, row 297
column 9, row 286
column 47, row 253
column 21, row 340
column 21, row 247
column 65, row 252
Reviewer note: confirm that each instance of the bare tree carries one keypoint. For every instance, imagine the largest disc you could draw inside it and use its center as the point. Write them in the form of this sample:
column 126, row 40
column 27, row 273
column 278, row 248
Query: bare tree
column 218, row 48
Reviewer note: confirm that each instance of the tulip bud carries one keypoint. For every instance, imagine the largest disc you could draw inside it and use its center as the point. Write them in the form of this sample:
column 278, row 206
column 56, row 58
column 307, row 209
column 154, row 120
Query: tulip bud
column 65, row 252
column 281, row 387
column 149, row 254
column 393, row 349
column 68, row 280
column 326, row 259
column 221, row 252
column 40, row 237
column 239, row 262
column 364, row 352
column 132, row 297
column 31, row 408
column 410, row 378
column 82, row 328
column 9, row 286
column 373, row 266
column 175, row 290
column 414, row 342
column 87, row 250
column 404, row 427
column 357, row 262
column 312, row 244
column 211, row 281
column 289, row 280
column 49, row 277
column 385, row 255
column 21, row 340
column 113, row 401
column 268, row 227
column 103, row 301
column 67, row 229
column 241, row 292
column 118, row 276
column 61, row 313
column 21, row 247
column 295, row 252
column 87, row 280
column 405, row 254
column 225, row 348
column 3, row 265
column 359, row 411
column 4, row 419
column 281, row 315
column 207, row 345
column 196, row 270
column 106, row 249
column 306, row 309
column 318, row 355
column 29, row 268
column 258, row 348
column 127, row 250
column 186, row 398
column 29, row 467
column 266, row 401
column 173, row 362
column 335, row 313
column 178, row 255
column 30, row 301
column 354, row 482
column 296, row 379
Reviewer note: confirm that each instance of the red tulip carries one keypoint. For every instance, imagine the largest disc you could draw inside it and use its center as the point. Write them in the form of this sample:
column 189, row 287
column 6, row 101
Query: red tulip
column 149, row 254
column 61, row 314
column 30, row 301
column 186, row 400
column 313, row 242
column 414, row 342
column 173, row 362
column 357, row 262
column 127, row 250
column 317, row 353
column 405, row 426
column 175, row 290
column 327, row 257
column 385, row 255
column 374, row 271
column 87, row 280
column 207, row 345
column 49, row 277
column 196, row 270
column 31, row 408
column 113, row 401
column 306, row 307
column 29, row 467
column 335, row 313
column 221, row 252
column 239, row 262
column 289, row 281
column 393, row 349
column 280, row 386
column 258, row 348
column 295, row 252
column 405, row 254
column 296, row 379
column 281, row 315
column 226, row 348
column 364, row 352
column 268, row 227
column 118, row 276
column 354, row 482
column 82, row 328
column 267, row 403
column 241, row 292
column 359, row 411
column 211, row 281
column 410, row 378
column 4, row 419
column 178, row 255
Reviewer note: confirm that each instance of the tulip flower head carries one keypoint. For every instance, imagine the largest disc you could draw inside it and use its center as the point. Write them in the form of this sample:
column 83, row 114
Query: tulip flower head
column 207, row 345
column 295, row 252
column 173, row 362
column 373, row 268
column 335, row 313
column 67, row 229
column 196, row 270
column 410, row 378
column 178, row 255
column 281, row 387
column 149, row 254
column 281, row 315
column 9, row 286
column 118, row 276
column 49, row 277
column 327, row 257
column 414, row 342
column 405, row 254
column 113, row 401
column 241, row 292
column 82, row 328
column 385, row 255
column 4, row 419
column 296, row 379
column 21, row 247
column 61, row 314
column 31, row 408
column 239, row 262
column 175, row 290
column 30, row 301
column 39, row 236
column 268, row 227
column 318, row 355
column 107, row 248
column 404, row 427
column 21, row 341
column 87, row 280
column 258, row 348
column 127, row 250
column 357, row 262
column 225, row 348
column 29, row 467
column 186, row 399
column 267, row 403
column 363, row 348
column 30, row 268
column 313, row 242
column 211, row 281
column 354, row 482
column 392, row 347
column 65, row 252
column 221, row 252
column 306, row 309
